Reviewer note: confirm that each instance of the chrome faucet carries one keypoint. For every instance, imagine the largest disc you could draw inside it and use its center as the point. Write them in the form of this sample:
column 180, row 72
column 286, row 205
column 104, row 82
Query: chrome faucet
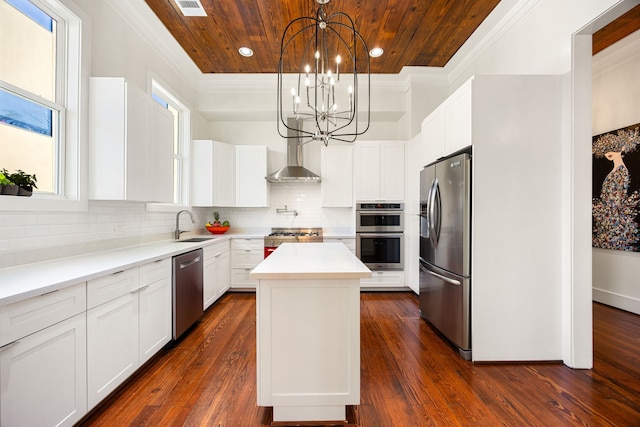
column 177, row 233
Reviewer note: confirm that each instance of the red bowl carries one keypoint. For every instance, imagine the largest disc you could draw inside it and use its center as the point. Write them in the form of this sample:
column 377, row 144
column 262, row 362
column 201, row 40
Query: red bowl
column 217, row 230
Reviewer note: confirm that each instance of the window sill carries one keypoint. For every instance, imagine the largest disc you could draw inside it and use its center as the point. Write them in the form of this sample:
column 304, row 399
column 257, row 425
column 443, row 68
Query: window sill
column 37, row 204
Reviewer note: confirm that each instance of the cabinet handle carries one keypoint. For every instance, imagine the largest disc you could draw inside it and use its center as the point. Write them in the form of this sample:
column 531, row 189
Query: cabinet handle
column 139, row 289
column 50, row 292
column 8, row 346
column 118, row 272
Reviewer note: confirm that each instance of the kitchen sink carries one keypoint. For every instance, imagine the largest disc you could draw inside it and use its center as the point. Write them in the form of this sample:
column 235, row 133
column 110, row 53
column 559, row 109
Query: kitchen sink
column 195, row 239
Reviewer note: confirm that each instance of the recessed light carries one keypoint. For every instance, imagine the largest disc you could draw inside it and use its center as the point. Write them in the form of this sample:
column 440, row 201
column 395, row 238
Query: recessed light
column 376, row 52
column 245, row 51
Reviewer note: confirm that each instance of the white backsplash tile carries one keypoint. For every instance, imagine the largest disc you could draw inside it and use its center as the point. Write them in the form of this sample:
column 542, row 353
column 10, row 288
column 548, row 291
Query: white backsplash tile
column 28, row 237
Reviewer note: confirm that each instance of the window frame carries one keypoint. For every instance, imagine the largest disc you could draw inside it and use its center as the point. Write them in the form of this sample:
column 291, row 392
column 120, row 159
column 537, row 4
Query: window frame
column 70, row 39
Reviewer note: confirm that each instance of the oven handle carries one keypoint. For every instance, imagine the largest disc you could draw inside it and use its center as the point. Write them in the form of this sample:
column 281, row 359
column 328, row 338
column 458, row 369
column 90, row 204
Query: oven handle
column 381, row 235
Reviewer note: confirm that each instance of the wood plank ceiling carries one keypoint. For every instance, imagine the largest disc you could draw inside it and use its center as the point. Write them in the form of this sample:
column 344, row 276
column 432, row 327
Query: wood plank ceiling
column 411, row 32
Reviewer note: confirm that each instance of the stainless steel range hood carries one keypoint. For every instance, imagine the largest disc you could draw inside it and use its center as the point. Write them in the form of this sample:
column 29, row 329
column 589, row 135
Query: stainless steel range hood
column 294, row 171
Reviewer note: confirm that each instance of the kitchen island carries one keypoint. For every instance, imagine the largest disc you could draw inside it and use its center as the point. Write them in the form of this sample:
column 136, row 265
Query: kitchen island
column 308, row 331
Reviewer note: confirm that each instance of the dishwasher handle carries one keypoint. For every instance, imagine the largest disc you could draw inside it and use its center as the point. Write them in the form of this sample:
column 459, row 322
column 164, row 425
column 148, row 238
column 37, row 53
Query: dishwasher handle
column 190, row 262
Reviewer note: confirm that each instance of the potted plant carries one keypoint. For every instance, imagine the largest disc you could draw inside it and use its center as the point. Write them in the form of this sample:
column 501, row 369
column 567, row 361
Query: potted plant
column 25, row 182
column 8, row 187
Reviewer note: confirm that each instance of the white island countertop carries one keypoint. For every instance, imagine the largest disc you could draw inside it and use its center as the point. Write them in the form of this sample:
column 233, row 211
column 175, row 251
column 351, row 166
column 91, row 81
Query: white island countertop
column 311, row 261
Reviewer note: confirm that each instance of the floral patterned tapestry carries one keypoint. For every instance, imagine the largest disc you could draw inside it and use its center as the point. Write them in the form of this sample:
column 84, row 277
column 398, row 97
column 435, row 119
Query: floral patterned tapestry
column 616, row 189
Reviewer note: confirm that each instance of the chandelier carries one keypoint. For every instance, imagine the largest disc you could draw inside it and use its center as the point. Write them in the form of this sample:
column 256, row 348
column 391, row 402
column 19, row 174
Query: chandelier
column 320, row 88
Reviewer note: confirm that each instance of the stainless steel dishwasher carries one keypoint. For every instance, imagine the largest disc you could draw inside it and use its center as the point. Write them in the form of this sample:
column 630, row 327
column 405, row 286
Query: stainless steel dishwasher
column 187, row 291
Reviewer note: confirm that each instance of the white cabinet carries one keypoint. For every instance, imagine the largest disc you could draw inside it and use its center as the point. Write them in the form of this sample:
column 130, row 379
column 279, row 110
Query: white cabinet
column 349, row 242
column 161, row 150
column 214, row 173
column 43, row 359
column 383, row 280
column 448, row 128
column 216, row 272
column 155, row 321
column 251, row 168
column 379, row 170
column 112, row 337
column 122, row 124
column 337, row 176
column 246, row 254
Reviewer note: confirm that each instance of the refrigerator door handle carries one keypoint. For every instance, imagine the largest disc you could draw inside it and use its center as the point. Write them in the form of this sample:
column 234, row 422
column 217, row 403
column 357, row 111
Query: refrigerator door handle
column 441, row 277
column 432, row 213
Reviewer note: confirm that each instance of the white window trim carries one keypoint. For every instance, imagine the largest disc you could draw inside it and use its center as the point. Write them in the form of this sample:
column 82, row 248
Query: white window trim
column 72, row 197
column 157, row 85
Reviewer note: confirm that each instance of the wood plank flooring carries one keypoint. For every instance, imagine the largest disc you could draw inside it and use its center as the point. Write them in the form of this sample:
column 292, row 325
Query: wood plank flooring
column 409, row 377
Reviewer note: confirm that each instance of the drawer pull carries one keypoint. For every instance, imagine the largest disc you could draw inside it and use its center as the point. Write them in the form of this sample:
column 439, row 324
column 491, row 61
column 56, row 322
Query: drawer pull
column 139, row 289
column 8, row 346
column 50, row 292
column 118, row 272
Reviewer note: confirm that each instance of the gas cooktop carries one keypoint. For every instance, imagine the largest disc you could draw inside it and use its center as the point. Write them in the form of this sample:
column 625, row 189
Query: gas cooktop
column 292, row 235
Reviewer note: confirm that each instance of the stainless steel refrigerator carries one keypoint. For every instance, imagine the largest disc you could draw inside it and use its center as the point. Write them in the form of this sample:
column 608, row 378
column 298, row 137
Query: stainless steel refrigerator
column 445, row 249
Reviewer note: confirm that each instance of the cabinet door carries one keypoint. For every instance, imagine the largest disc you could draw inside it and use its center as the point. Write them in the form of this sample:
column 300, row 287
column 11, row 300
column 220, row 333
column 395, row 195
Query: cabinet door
column 43, row 376
column 224, row 272
column 155, row 326
column 210, row 276
column 337, row 176
column 433, row 136
column 457, row 112
column 202, row 172
column 392, row 170
column 161, row 149
column 138, row 172
column 224, row 174
column 367, row 170
column 251, row 169
column 112, row 345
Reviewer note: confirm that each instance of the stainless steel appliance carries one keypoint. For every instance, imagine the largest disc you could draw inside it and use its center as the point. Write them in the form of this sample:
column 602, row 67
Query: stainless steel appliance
column 290, row 235
column 187, row 291
column 379, row 235
column 445, row 249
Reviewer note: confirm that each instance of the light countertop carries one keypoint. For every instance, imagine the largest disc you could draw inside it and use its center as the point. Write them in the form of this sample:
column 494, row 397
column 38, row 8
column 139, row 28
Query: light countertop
column 311, row 261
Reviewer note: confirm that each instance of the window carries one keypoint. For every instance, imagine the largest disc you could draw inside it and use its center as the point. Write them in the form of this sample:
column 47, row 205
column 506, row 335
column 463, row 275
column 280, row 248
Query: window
column 181, row 135
column 39, row 91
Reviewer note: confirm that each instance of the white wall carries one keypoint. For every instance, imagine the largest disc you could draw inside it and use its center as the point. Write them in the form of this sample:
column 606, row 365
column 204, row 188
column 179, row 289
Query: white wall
column 616, row 104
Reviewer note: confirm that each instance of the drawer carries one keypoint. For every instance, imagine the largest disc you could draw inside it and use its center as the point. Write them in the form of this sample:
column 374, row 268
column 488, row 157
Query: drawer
column 257, row 244
column 155, row 271
column 215, row 249
column 240, row 278
column 110, row 287
column 246, row 257
column 348, row 242
column 23, row 318
column 384, row 279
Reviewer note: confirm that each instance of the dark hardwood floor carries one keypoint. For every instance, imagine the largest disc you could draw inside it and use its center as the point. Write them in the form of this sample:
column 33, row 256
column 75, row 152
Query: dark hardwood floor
column 409, row 377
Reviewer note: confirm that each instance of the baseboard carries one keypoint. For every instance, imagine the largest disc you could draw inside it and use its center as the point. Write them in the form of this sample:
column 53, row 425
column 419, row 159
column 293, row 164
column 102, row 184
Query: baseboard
column 622, row 302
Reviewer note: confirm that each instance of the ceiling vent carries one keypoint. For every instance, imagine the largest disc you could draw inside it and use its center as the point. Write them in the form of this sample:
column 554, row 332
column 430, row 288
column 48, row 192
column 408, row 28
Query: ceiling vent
column 191, row 7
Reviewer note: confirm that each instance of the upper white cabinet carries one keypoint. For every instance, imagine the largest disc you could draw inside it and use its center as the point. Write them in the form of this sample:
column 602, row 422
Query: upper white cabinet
column 161, row 151
column 130, row 143
column 448, row 128
column 214, row 173
column 229, row 175
column 379, row 170
column 337, row 176
column 251, row 168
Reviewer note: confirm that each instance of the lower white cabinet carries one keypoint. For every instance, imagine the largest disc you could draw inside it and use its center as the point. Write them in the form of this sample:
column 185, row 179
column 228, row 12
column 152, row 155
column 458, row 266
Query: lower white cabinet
column 112, row 345
column 246, row 254
column 154, row 302
column 349, row 242
column 216, row 272
column 43, row 376
column 383, row 279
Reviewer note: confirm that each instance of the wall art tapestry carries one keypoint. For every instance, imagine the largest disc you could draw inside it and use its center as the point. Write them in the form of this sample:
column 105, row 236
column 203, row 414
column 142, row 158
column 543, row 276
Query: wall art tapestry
column 616, row 189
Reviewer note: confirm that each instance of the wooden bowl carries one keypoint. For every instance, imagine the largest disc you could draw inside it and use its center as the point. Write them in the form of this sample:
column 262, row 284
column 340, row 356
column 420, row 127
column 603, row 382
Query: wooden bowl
column 217, row 230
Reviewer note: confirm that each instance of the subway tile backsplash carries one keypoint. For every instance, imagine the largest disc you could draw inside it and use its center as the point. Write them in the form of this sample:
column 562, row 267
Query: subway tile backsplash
column 27, row 237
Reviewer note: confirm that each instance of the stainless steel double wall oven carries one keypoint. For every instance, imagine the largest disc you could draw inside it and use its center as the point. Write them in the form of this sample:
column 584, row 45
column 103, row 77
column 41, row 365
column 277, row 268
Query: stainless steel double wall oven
column 380, row 235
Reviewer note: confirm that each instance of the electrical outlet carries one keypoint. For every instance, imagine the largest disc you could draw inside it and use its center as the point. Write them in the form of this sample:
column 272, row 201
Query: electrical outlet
column 118, row 229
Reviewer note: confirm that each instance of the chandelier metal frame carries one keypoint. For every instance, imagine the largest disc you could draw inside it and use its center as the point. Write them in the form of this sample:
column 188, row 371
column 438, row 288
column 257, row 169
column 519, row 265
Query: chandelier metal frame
column 317, row 83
